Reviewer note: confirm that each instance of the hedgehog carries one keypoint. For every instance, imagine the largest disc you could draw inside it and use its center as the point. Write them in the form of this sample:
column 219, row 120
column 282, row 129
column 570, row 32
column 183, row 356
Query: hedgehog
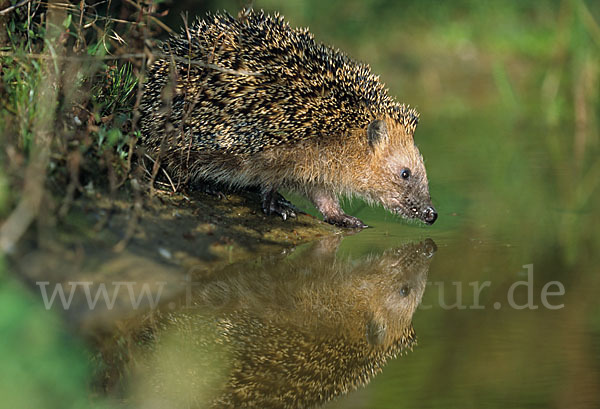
column 250, row 102
column 286, row 333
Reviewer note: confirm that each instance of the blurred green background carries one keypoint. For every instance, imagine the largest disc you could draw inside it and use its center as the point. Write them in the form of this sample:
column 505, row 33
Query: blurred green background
column 509, row 96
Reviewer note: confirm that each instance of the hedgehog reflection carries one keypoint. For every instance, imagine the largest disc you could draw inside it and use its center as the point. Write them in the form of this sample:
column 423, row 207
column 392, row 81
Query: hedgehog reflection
column 290, row 334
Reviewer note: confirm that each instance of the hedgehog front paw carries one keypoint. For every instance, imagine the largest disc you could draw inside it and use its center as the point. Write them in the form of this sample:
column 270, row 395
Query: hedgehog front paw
column 343, row 220
column 274, row 203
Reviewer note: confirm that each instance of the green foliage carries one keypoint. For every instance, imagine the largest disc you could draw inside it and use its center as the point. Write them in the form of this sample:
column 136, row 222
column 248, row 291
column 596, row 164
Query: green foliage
column 115, row 89
column 112, row 96
column 20, row 80
column 42, row 366
column 95, row 94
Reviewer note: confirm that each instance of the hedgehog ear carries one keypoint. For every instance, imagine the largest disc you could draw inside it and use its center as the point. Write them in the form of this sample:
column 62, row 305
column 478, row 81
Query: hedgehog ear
column 377, row 131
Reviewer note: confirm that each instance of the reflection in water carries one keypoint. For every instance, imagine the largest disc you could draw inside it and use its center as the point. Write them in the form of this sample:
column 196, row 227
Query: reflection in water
column 288, row 333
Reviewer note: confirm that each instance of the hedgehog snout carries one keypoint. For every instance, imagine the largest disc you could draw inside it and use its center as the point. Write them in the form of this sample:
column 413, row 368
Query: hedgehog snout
column 430, row 215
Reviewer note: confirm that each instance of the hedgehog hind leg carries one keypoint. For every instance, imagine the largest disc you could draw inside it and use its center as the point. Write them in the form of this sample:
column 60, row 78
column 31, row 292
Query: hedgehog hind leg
column 274, row 203
column 329, row 207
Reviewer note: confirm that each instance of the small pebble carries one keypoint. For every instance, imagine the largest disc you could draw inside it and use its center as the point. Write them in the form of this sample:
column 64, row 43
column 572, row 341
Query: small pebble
column 165, row 253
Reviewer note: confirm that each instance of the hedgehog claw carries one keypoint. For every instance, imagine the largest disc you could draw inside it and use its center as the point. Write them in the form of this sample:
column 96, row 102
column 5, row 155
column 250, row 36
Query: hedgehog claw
column 343, row 220
column 274, row 203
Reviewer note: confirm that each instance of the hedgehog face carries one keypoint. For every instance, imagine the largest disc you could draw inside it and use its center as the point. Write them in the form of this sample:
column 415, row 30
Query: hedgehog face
column 396, row 290
column 400, row 172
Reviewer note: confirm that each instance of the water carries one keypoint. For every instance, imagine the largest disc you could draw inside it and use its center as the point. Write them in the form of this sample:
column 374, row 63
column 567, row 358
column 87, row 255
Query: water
column 483, row 354
column 498, row 322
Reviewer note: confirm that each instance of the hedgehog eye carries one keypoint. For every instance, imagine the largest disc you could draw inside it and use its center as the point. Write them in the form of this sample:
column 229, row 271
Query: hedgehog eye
column 405, row 174
column 404, row 291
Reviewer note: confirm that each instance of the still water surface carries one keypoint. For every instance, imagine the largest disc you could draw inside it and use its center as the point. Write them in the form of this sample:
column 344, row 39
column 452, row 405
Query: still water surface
column 511, row 346
column 423, row 319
